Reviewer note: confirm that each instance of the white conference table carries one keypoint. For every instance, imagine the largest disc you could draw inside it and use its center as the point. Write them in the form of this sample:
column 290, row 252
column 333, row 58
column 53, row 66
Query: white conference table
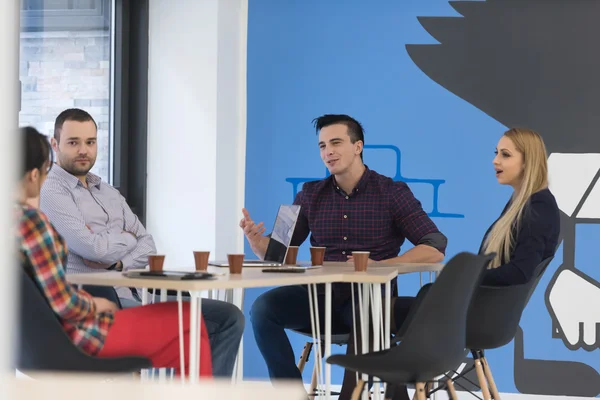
column 74, row 386
column 253, row 277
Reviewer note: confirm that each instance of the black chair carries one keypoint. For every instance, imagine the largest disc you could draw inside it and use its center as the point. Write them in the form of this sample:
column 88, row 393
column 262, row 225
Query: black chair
column 43, row 344
column 493, row 322
column 435, row 340
column 339, row 338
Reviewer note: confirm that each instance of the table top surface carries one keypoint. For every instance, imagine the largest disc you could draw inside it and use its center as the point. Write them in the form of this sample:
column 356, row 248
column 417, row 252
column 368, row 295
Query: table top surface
column 71, row 386
column 252, row 277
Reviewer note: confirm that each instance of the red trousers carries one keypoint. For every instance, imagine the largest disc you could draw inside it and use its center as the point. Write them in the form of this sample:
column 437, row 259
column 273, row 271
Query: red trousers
column 152, row 331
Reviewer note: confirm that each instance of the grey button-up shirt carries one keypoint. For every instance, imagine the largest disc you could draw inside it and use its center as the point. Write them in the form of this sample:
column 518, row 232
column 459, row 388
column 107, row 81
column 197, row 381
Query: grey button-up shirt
column 96, row 222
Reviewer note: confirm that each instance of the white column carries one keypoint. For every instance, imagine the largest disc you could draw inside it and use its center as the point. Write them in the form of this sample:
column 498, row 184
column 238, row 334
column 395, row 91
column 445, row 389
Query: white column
column 231, row 124
column 9, row 170
column 196, row 127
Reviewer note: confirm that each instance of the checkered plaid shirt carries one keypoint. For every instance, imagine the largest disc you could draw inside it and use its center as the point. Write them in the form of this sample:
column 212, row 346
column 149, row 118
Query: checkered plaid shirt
column 377, row 216
column 44, row 252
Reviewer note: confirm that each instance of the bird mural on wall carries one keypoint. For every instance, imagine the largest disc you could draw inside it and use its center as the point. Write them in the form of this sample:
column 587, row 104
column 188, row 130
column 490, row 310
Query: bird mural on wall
column 535, row 64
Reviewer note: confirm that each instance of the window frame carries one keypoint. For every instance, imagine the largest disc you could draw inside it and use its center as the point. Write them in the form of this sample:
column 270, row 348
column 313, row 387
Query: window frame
column 67, row 19
column 130, row 117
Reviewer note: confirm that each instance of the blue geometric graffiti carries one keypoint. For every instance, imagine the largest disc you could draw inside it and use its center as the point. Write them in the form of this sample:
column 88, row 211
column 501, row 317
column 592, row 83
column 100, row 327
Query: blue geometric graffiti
column 435, row 183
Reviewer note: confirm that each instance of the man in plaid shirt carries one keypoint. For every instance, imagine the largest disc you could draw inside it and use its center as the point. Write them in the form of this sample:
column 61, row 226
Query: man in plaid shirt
column 354, row 209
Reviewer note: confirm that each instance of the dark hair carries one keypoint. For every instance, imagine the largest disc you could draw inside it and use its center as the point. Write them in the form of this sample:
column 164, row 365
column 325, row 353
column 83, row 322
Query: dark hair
column 355, row 129
column 36, row 149
column 71, row 114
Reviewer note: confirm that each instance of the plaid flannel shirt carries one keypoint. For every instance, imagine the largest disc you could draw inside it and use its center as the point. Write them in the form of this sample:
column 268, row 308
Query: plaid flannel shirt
column 377, row 216
column 44, row 252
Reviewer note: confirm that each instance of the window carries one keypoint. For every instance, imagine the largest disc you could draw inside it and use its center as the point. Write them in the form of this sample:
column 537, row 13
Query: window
column 91, row 54
column 66, row 60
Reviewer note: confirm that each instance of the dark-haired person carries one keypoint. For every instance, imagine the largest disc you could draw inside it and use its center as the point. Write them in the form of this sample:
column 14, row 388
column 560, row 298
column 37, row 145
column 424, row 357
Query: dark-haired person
column 354, row 209
column 94, row 324
column 104, row 234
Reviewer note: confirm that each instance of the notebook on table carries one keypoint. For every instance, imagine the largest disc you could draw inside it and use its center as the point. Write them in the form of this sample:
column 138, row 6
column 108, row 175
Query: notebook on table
column 171, row 275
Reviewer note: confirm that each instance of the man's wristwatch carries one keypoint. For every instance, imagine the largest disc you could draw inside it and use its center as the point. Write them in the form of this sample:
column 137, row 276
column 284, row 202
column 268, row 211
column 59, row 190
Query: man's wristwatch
column 113, row 266
column 116, row 266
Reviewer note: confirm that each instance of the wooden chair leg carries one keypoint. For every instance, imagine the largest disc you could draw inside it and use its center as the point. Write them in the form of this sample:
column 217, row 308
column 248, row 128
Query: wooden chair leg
column 450, row 390
column 358, row 390
column 420, row 391
column 313, row 381
column 490, row 379
column 304, row 357
column 482, row 381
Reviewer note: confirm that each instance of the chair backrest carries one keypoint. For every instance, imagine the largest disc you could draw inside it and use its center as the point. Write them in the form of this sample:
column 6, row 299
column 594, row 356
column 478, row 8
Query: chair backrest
column 436, row 336
column 496, row 311
column 44, row 345
column 42, row 339
column 537, row 277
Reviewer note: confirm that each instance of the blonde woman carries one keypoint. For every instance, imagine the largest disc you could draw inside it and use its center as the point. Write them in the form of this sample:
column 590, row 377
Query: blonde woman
column 527, row 230
column 525, row 233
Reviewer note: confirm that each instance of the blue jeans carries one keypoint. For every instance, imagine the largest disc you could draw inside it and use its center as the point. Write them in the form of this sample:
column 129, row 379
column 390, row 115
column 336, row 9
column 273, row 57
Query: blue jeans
column 224, row 323
column 287, row 308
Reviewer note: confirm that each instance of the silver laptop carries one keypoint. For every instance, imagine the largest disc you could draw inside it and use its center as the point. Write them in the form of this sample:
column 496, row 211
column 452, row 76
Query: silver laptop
column 280, row 239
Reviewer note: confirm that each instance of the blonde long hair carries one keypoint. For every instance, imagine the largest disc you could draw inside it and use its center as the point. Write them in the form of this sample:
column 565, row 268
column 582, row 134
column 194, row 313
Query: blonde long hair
column 535, row 178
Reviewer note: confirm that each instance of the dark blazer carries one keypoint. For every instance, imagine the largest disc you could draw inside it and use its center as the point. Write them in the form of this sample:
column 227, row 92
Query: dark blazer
column 536, row 240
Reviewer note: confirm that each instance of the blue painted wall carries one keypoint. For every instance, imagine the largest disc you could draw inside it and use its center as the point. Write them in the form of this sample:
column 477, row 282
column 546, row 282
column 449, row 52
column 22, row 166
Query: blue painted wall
column 307, row 58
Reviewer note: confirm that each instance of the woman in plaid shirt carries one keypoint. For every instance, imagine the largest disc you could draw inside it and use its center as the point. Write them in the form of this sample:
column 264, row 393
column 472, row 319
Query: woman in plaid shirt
column 94, row 324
